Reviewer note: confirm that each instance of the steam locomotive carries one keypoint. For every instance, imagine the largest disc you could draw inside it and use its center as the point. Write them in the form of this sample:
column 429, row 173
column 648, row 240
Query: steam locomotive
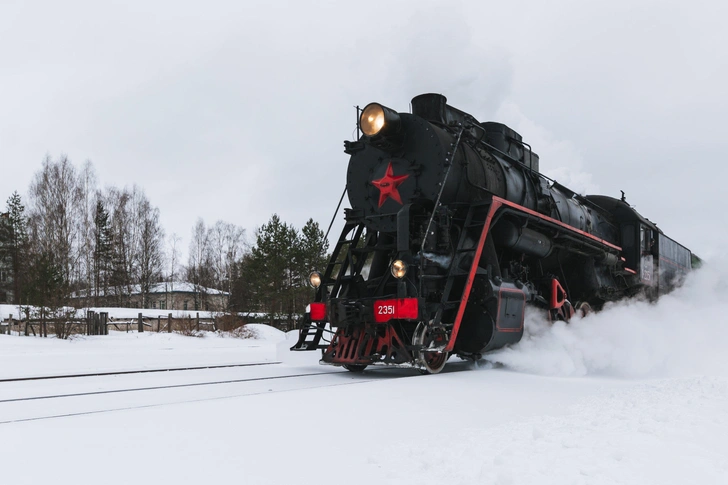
column 453, row 231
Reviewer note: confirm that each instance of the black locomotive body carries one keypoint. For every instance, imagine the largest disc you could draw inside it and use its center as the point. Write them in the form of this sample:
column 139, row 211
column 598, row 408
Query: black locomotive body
column 453, row 230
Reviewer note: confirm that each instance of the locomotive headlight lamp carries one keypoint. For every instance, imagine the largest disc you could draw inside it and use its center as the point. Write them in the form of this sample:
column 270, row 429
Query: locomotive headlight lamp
column 315, row 279
column 399, row 269
column 379, row 120
column 372, row 119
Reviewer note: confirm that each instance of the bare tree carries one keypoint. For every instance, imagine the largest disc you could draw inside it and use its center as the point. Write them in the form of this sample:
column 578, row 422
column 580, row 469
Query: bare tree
column 173, row 247
column 198, row 264
column 123, row 261
column 150, row 249
column 86, row 226
column 83, row 238
column 55, row 201
column 226, row 245
column 213, row 259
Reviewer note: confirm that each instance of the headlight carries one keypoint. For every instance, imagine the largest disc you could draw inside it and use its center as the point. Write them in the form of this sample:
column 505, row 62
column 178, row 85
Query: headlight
column 315, row 279
column 372, row 119
column 399, row 269
column 379, row 120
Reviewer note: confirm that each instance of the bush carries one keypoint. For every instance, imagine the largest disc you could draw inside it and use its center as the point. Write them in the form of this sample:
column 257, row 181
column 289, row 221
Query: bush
column 243, row 332
column 229, row 323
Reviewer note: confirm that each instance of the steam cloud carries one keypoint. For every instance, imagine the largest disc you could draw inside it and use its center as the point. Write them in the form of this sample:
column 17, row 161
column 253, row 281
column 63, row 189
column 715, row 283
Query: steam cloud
column 684, row 332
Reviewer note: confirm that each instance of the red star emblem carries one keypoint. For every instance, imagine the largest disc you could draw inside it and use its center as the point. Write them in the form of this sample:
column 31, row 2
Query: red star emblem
column 388, row 184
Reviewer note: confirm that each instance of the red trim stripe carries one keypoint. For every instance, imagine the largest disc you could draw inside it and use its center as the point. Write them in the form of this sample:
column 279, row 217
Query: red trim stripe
column 495, row 205
column 673, row 263
column 554, row 221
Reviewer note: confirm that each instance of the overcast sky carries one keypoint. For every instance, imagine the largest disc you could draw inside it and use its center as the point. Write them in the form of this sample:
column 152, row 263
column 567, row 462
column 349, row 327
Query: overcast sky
column 236, row 110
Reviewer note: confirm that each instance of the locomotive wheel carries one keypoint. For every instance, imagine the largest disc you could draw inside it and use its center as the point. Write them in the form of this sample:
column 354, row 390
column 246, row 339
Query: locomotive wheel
column 583, row 308
column 432, row 362
column 357, row 368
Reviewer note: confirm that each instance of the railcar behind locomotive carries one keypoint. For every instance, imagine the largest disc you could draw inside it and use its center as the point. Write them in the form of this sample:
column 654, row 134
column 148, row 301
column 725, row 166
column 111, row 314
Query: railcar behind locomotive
column 453, row 231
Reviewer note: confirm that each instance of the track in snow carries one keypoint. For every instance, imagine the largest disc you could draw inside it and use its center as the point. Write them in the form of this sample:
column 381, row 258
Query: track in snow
column 139, row 371
column 87, row 401
column 155, row 388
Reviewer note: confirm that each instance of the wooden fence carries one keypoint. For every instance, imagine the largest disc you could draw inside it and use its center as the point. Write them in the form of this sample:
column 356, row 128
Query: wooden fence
column 99, row 323
column 62, row 327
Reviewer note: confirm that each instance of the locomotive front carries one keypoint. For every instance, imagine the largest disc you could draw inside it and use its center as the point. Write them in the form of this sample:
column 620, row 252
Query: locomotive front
column 416, row 158
column 400, row 159
column 391, row 293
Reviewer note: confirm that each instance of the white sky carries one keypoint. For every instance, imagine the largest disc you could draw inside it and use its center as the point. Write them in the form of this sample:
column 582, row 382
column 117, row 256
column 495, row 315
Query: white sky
column 236, row 110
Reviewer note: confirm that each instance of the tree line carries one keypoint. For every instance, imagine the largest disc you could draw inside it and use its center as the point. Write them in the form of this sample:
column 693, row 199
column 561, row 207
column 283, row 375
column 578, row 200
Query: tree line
column 75, row 244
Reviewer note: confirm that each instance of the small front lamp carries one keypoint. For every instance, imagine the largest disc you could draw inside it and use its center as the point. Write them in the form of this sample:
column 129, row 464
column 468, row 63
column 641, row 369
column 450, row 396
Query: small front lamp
column 314, row 279
column 399, row 269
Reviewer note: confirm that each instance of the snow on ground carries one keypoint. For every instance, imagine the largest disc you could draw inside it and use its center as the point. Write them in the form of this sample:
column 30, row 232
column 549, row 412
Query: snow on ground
column 637, row 394
column 31, row 356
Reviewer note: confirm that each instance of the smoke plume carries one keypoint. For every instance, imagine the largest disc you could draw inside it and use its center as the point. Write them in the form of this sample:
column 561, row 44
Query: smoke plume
column 684, row 332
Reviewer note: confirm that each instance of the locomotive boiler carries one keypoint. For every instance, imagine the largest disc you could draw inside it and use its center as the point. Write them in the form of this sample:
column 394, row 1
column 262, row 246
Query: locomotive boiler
column 453, row 231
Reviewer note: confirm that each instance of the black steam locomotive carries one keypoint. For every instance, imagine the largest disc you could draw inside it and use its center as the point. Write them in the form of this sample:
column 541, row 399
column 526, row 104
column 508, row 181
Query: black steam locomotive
column 453, row 230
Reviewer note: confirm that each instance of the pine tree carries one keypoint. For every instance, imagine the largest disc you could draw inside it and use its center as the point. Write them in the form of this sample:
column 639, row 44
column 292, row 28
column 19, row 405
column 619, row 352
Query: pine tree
column 272, row 264
column 273, row 277
column 310, row 255
column 244, row 296
column 46, row 286
column 312, row 249
column 102, row 254
column 6, row 277
column 14, row 245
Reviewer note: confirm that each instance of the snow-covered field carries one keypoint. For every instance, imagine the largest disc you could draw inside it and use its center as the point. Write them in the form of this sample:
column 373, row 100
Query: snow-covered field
column 637, row 394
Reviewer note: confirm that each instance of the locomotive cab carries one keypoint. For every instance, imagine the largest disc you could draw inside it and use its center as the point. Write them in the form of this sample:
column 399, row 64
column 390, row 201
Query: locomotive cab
column 638, row 249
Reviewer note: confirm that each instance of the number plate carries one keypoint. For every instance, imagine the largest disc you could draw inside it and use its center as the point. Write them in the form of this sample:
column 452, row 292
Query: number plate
column 386, row 310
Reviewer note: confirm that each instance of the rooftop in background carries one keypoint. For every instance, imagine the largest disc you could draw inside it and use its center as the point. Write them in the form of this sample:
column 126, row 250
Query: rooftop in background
column 158, row 288
column 167, row 295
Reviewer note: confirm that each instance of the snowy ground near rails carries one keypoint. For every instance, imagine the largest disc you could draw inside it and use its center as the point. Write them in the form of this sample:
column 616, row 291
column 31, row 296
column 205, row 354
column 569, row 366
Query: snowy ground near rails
column 31, row 356
column 637, row 394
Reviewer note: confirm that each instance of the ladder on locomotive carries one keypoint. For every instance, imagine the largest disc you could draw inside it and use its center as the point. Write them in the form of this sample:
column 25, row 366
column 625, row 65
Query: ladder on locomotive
column 466, row 249
column 453, row 294
column 342, row 262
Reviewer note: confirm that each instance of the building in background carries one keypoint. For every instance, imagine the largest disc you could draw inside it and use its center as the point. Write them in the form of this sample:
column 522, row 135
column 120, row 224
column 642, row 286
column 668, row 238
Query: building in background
column 166, row 295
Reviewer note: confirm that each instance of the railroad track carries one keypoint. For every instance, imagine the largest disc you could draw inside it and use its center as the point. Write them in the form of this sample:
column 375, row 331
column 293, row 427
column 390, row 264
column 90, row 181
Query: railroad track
column 171, row 386
column 243, row 386
column 138, row 371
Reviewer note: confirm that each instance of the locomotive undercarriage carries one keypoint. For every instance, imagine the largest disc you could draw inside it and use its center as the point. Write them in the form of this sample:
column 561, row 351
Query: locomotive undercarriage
column 466, row 288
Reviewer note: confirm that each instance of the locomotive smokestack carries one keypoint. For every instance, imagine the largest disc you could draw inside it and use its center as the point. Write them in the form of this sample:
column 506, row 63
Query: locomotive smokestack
column 430, row 106
column 434, row 107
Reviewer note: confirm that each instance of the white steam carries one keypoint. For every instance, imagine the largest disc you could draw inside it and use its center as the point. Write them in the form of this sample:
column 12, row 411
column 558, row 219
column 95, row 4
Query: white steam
column 683, row 332
column 559, row 159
